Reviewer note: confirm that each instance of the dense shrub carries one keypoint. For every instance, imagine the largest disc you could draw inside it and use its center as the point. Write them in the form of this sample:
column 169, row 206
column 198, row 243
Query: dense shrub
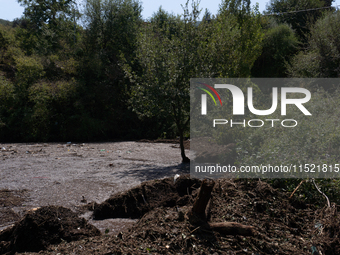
column 322, row 58
column 278, row 46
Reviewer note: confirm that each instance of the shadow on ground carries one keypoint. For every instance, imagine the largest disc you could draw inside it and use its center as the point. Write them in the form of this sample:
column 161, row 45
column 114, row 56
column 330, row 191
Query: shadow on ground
column 148, row 172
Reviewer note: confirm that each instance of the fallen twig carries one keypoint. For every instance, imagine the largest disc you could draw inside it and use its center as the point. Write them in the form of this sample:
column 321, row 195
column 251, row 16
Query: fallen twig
column 194, row 230
column 298, row 186
column 329, row 205
column 232, row 228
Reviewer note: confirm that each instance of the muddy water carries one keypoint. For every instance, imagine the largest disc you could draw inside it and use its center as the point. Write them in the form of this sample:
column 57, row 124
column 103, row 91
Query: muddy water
column 72, row 174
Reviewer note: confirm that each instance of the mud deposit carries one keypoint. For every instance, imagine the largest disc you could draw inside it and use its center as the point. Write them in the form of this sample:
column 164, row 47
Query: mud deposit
column 73, row 175
column 155, row 210
column 43, row 227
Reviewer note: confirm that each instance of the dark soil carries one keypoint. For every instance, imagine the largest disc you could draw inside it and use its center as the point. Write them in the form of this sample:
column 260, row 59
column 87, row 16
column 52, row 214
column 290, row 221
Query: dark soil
column 43, row 227
column 281, row 225
column 135, row 202
column 8, row 200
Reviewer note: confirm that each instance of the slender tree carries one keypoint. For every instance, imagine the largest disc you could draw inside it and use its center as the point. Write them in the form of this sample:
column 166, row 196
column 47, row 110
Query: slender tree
column 110, row 31
column 173, row 49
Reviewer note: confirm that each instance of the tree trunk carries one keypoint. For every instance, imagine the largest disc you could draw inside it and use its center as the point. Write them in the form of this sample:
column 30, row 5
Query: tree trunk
column 197, row 214
column 185, row 159
column 180, row 127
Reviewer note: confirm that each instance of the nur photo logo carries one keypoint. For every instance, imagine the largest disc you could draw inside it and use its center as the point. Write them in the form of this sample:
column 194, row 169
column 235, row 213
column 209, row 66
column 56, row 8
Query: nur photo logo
column 264, row 128
column 238, row 104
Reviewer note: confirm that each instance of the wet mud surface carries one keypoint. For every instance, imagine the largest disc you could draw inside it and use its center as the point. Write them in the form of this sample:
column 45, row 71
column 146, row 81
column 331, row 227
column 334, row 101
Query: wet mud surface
column 75, row 174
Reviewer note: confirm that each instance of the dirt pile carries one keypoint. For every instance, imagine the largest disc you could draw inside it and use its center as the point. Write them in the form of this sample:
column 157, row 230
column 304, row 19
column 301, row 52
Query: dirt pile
column 327, row 230
column 281, row 225
column 43, row 227
column 135, row 202
column 9, row 199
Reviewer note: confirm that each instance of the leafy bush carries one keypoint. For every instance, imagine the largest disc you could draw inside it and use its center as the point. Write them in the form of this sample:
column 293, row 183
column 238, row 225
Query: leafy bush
column 9, row 49
column 322, row 58
column 300, row 21
column 279, row 45
column 51, row 107
column 314, row 140
column 29, row 70
column 6, row 101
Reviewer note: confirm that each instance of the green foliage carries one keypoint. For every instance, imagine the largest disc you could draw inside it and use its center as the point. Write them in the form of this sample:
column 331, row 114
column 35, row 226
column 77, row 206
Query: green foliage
column 322, row 58
column 39, row 113
column 45, row 24
column 46, row 11
column 314, row 140
column 3, row 46
column 6, row 98
column 278, row 46
column 9, row 49
column 59, row 67
column 110, row 34
column 29, row 70
column 162, row 19
column 119, row 66
column 304, row 65
column 300, row 21
column 166, row 55
column 6, row 89
column 171, row 50
column 5, row 22
column 50, row 103
column 28, row 41
column 111, row 30
column 31, row 108
column 236, row 38
column 235, row 7
column 3, row 41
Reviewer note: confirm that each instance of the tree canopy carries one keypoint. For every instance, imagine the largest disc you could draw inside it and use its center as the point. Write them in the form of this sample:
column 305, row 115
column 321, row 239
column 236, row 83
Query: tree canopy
column 102, row 72
column 322, row 57
column 294, row 13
